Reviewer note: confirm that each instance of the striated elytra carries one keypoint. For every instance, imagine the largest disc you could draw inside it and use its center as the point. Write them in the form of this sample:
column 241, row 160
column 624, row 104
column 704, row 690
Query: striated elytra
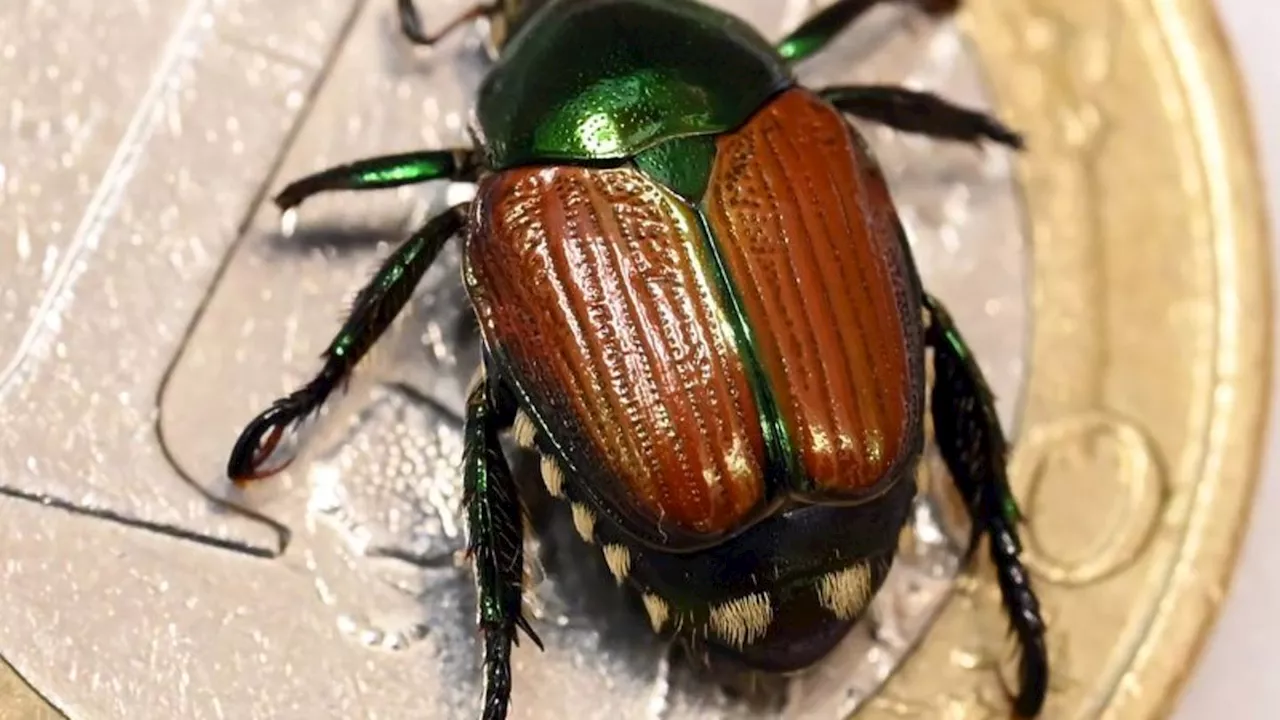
column 697, row 303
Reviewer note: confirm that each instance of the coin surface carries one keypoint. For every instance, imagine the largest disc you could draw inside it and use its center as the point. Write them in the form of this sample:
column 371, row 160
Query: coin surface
column 1112, row 278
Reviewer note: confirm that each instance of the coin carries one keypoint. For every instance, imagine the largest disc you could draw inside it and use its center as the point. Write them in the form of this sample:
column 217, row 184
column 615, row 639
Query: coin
column 18, row 701
column 1142, row 429
column 1136, row 441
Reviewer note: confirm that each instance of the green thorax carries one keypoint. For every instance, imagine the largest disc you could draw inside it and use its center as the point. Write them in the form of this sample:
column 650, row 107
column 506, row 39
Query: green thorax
column 585, row 80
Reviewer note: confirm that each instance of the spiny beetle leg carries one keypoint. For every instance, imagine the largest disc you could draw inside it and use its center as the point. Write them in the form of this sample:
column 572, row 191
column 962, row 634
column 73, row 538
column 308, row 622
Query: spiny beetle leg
column 815, row 33
column 495, row 532
column 411, row 21
column 387, row 171
column 375, row 307
column 919, row 112
column 974, row 448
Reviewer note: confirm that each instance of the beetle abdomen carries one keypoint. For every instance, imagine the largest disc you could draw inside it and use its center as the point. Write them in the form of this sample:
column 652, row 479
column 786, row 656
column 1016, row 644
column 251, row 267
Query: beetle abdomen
column 802, row 219
column 593, row 296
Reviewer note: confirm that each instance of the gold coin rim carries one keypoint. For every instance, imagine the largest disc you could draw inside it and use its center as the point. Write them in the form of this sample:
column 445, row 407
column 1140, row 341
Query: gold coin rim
column 1210, row 571
column 1221, row 124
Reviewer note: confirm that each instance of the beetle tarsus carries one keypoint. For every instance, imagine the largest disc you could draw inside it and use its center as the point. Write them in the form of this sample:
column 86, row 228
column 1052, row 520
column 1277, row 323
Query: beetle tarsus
column 383, row 172
column 260, row 438
column 920, row 112
column 411, row 21
column 496, row 545
column 255, row 446
column 974, row 448
column 1024, row 616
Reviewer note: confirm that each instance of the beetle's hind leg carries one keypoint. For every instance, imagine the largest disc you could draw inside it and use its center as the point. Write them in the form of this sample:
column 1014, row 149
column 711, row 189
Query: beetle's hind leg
column 920, row 112
column 495, row 538
column 816, row 32
column 973, row 446
column 382, row 172
column 375, row 307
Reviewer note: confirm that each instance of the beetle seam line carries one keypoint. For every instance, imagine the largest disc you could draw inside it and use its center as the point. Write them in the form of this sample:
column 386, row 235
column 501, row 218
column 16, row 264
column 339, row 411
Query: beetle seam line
column 780, row 460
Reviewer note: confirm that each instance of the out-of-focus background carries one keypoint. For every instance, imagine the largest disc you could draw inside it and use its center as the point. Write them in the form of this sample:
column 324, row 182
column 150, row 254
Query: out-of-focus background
column 1237, row 675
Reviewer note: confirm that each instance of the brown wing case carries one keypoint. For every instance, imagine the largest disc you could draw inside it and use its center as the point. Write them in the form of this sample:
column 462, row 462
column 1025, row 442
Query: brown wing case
column 803, row 219
column 591, row 289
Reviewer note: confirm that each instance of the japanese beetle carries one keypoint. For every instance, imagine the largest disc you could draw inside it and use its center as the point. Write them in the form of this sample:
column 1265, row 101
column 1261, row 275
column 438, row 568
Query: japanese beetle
column 697, row 302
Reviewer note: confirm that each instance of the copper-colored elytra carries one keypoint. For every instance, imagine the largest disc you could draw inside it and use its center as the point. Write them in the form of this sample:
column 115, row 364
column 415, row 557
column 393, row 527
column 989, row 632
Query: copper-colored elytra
column 594, row 285
column 800, row 217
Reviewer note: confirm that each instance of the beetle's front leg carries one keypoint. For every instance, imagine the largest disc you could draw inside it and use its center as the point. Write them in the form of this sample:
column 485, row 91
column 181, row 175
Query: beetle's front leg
column 386, row 171
column 919, row 112
column 495, row 539
column 411, row 21
column 973, row 446
column 373, row 312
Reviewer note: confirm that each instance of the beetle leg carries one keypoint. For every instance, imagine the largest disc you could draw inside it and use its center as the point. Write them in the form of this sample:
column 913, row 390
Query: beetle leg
column 374, row 309
column 411, row 21
column 919, row 112
column 495, row 532
column 386, row 171
column 814, row 34
column 974, row 448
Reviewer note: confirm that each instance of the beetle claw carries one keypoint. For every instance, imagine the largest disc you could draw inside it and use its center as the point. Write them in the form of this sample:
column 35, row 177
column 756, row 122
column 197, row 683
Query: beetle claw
column 523, row 624
column 256, row 445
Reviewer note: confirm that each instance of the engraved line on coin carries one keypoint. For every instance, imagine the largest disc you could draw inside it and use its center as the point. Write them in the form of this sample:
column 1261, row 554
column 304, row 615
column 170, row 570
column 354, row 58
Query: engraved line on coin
column 1088, row 448
column 222, row 504
column 179, row 52
column 18, row 695
column 171, row 531
column 1068, row 175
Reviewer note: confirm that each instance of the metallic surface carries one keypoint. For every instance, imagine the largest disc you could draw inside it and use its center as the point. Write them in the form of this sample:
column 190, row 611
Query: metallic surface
column 149, row 310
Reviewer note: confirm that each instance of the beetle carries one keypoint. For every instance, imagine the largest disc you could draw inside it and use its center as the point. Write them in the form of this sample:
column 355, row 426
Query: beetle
column 697, row 302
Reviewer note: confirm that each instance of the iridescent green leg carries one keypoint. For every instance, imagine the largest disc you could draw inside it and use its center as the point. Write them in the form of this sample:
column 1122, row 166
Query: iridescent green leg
column 372, row 313
column 919, row 112
column 974, row 449
column 387, row 171
column 814, row 33
column 496, row 540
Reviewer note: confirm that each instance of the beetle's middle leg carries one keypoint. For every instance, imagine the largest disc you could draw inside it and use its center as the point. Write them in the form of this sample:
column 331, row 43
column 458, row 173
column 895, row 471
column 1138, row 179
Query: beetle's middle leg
column 919, row 112
column 974, row 449
column 375, row 307
column 495, row 538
